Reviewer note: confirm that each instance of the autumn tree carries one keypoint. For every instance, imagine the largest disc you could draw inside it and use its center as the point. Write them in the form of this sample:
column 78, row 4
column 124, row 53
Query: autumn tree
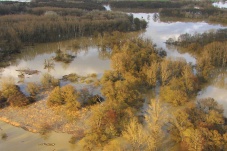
column 33, row 89
column 70, row 97
column 156, row 119
column 200, row 126
column 136, row 136
column 55, row 97
column 174, row 92
column 8, row 87
column 18, row 99
column 194, row 139
column 48, row 81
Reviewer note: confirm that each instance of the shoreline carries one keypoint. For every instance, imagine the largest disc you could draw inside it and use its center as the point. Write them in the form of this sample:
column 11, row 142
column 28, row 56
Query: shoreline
column 38, row 118
column 16, row 124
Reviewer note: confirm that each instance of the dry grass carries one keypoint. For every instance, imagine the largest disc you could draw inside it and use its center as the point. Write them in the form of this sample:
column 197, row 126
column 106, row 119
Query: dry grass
column 37, row 116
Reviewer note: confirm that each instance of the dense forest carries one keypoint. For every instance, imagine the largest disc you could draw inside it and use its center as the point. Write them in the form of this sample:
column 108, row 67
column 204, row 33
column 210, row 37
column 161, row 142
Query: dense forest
column 158, row 4
column 29, row 23
column 210, row 14
column 121, row 117
column 176, row 10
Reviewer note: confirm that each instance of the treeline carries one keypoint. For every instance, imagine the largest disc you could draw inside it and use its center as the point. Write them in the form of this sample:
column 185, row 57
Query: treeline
column 18, row 29
column 157, row 4
column 200, row 39
column 40, row 21
column 209, row 49
column 86, row 5
column 56, row 10
column 12, row 8
column 210, row 14
column 18, row 7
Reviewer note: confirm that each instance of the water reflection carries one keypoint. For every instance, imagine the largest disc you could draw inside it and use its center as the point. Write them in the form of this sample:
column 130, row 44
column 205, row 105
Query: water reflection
column 221, row 4
column 217, row 88
column 159, row 32
column 49, row 64
column 40, row 57
column 107, row 7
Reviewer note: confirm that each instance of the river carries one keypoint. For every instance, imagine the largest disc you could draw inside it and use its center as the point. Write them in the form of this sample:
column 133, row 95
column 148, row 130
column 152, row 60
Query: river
column 88, row 60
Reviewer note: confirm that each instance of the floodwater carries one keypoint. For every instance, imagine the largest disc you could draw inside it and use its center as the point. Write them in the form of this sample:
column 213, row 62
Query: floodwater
column 220, row 4
column 90, row 60
column 159, row 32
column 20, row 140
column 87, row 60
column 217, row 89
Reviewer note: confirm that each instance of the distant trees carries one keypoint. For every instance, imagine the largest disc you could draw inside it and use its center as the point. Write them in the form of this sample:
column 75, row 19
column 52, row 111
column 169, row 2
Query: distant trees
column 54, row 27
column 209, row 49
column 198, row 40
column 156, row 4
column 12, row 8
column 37, row 7
column 210, row 14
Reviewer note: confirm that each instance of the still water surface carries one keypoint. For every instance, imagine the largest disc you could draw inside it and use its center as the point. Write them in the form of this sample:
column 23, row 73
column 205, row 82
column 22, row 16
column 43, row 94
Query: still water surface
column 220, row 4
column 21, row 140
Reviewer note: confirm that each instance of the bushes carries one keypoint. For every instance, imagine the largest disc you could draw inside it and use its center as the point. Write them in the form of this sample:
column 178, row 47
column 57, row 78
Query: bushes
column 55, row 97
column 70, row 97
column 49, row 81
column 12, row 95
column 3, row 100
column 66, row 95
column 18, row 100
column 33, row 89
column 8, row 87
